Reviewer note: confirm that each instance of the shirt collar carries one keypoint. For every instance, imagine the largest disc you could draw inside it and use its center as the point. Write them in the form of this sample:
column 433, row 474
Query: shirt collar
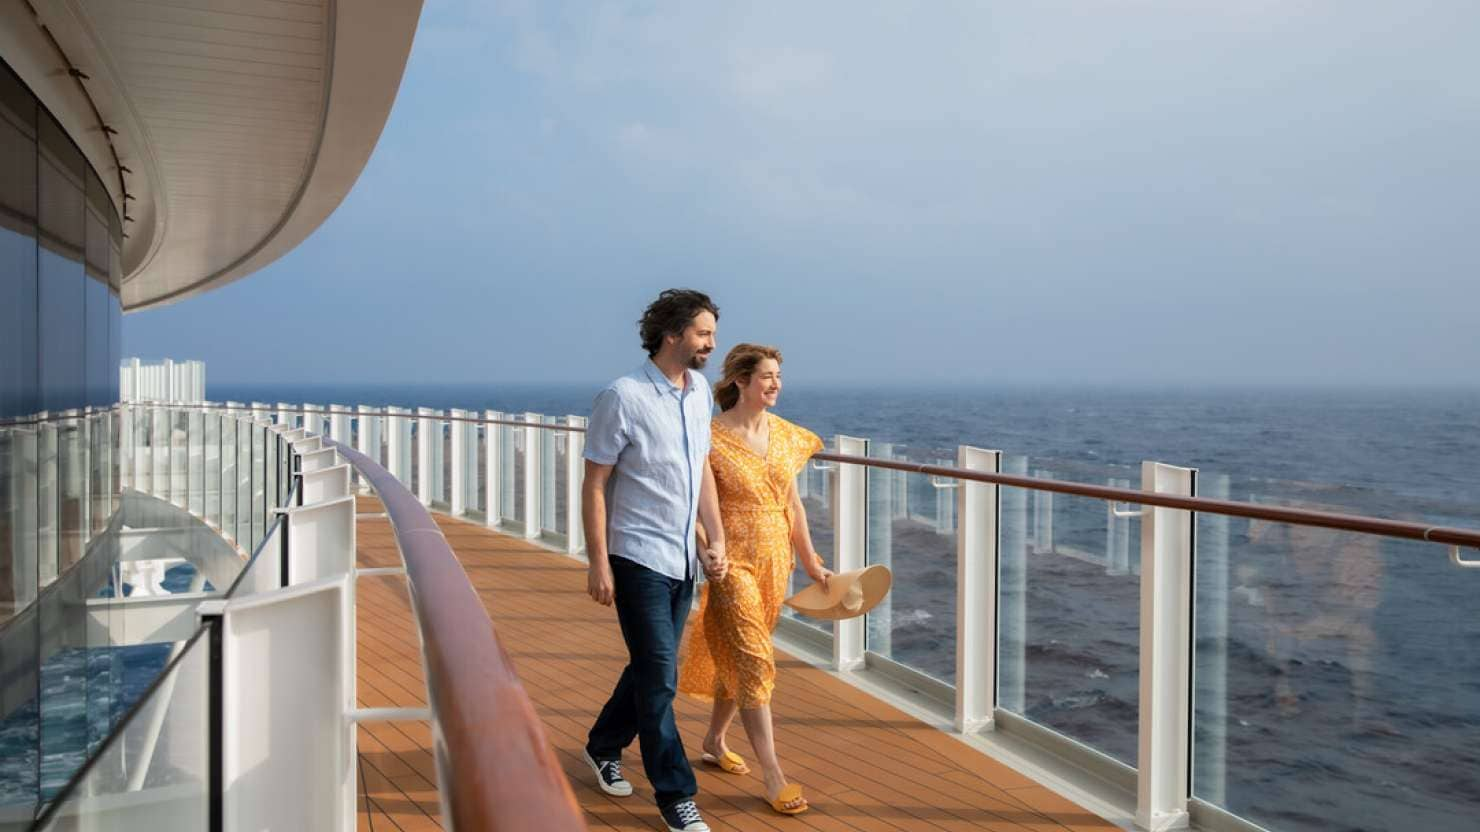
column 661, row 383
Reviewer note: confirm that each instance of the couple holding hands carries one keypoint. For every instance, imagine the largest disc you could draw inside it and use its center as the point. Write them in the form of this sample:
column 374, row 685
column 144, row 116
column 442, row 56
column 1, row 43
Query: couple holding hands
column 671, row 490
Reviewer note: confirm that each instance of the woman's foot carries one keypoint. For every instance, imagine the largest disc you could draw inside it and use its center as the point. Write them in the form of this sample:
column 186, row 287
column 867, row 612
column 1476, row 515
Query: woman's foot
column 716, row 753
column 784, row 797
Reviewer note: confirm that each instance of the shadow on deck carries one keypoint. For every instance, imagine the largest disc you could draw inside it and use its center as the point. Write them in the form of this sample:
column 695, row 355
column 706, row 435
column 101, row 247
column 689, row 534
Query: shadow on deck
column 863, row 763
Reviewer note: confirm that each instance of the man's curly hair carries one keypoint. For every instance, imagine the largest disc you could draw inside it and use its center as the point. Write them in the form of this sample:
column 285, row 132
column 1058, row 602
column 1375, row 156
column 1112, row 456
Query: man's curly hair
column 671, row 314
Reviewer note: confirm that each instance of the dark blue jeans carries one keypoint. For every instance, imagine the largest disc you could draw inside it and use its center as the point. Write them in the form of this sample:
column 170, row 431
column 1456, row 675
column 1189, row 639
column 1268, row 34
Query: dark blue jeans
column 652, row 609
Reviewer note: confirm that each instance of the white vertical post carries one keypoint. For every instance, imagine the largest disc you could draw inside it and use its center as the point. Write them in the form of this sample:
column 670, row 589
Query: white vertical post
column 363, row 440
column 459, row 462
column 1166, row 650
column 493, row 474
column 850, row 534
column 395, row 438
column 976, row 592
column 313, row 419
column 426, row 427
column 533, row 465
column 339, row 423
column 575, row 472
column 285, row 417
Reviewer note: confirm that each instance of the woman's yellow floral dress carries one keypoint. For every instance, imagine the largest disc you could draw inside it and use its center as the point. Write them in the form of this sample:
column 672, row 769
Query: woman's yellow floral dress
column 729, row 654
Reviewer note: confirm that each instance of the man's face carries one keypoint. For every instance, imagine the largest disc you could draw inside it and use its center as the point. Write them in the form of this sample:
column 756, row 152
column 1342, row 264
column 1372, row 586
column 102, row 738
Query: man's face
column 697, row 341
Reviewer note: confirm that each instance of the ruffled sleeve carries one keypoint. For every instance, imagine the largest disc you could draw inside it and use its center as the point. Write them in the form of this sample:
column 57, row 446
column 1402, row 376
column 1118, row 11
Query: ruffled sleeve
column 801, row 445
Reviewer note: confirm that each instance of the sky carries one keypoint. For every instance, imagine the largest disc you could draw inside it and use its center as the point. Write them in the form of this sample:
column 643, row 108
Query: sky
column 1118, row 192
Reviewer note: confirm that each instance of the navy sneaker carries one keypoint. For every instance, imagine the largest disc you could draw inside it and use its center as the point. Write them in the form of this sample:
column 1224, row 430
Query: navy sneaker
column 683, row 816
column 609, row 776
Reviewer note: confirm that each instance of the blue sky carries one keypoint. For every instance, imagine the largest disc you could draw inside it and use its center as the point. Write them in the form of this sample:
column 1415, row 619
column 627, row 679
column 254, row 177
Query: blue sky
column 1122, row 192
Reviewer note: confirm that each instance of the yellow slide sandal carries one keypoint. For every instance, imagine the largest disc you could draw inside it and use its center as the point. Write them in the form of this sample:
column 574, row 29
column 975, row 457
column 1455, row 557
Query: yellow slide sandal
column 730, row 762
column 790, row 793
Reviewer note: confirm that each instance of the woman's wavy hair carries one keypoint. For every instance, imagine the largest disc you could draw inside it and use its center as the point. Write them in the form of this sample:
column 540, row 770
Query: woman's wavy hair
column 740, row 364
column 671, row 314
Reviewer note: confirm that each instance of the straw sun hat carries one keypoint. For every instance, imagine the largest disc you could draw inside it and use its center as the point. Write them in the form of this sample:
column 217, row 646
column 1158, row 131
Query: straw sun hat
column 848, row 594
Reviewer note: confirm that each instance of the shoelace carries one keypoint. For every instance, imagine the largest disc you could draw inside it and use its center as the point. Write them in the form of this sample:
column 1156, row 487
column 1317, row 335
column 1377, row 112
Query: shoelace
column 613, row 771
column 687, row 812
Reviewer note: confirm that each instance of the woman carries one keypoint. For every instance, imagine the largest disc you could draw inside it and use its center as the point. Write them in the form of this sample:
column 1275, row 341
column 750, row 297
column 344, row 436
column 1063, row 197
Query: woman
column 756, row 456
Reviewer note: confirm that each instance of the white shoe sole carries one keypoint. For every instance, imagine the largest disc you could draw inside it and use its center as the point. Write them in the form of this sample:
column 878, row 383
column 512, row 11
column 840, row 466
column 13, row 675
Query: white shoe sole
column 622, row 789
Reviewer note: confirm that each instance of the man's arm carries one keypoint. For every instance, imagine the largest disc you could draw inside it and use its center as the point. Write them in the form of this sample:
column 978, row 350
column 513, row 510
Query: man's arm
column 599, row 583
column 712, row 556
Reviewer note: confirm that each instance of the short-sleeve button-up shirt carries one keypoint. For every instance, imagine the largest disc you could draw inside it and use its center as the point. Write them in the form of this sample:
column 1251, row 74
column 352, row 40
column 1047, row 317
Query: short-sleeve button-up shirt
column 657, row 437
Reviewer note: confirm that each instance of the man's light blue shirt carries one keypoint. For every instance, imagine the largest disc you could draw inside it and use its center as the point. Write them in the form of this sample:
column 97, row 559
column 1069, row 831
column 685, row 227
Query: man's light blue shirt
column 657, row 436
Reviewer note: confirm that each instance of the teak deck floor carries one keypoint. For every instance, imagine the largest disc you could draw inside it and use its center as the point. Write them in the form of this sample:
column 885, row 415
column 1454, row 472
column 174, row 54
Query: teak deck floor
column 862, row 763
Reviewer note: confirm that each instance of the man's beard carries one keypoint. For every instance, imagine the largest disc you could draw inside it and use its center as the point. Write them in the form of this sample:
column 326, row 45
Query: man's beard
column 698, row 360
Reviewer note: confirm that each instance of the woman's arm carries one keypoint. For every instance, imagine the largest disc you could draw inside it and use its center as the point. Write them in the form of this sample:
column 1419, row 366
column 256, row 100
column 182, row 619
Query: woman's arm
column 801, row 540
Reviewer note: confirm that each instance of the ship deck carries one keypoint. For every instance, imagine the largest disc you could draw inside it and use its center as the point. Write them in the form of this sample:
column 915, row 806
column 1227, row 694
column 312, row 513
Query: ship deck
column 863, row 763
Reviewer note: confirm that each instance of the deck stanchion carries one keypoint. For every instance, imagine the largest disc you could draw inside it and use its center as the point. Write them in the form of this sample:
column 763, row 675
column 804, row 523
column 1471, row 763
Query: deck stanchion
column 426, row 433
column 339, row 423
column 978, row 505
column 850, row 536
column 533, row 469
column 575, row 473
column 1167, row 546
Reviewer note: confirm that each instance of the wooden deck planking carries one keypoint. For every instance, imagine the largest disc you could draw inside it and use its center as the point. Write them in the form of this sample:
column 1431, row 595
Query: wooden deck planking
column 863, row 764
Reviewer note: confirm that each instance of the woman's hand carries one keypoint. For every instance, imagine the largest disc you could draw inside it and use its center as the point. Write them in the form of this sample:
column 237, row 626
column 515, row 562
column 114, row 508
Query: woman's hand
column 819, row 573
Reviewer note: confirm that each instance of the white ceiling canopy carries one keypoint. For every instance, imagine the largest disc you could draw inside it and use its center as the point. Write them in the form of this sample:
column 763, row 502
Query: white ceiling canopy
column 239, row 125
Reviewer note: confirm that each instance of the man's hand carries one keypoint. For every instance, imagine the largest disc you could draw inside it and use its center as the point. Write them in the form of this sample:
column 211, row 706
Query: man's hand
column 716, row 566
column 599, row 583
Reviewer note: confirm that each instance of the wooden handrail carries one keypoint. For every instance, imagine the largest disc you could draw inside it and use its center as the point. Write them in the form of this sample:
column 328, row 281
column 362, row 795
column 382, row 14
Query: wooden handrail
column 495, row 768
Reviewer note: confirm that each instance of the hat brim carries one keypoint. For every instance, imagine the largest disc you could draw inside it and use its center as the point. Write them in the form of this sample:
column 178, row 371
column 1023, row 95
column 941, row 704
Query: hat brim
column 813, row 602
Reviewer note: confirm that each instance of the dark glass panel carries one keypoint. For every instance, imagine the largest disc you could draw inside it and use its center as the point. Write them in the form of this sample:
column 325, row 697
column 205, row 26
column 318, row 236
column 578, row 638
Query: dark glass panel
column 20, row 368
column 62, row 294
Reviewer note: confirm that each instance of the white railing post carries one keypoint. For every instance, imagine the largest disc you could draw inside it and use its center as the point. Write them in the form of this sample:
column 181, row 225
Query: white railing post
column 533, row 468
column 850, row 535
column 575, row 472
column 493, row 473
column 339, row 423
column 284, row 417
column 1166, row 651
column 459, row 462
column 426, row 432
column 976, row 592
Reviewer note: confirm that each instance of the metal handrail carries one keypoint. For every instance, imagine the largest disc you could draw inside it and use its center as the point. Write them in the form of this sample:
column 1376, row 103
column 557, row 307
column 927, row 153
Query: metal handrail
column 495, row 768
column 1406, row 530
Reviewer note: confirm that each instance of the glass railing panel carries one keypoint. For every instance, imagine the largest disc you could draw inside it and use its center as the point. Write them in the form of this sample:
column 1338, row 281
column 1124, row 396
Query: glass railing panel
column 441, row 471
column 559, row 442
column 211, row 483
column 142, row 456
column 264, row 569
column 1069, row 608
column 815, row 485
column 548, row 509
column 911, row 528
column 228, row 475
column 475, row 464
column 179, row 421
column 259, row 483
column 159, row 443
column 1335, row 672
column 99, row 485
column 270, row 469
column 154, row 772
column 413, row 476
column 516, row 476
column 244, row 478
column 197, row 469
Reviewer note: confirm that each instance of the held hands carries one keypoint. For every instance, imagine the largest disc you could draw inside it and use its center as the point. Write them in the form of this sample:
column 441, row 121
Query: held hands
column 715, row 564
column 599, row 583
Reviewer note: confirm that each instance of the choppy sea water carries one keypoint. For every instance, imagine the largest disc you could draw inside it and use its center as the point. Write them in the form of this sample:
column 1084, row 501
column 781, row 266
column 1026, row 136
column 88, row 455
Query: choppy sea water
column 1337, row 676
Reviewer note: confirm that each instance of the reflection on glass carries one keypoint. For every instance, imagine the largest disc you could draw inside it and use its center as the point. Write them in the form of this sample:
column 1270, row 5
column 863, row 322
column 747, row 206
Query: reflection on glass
column 228, row 475
column 560, row 440
column 1069, row 609
column 212, row 468
column 1345, row 662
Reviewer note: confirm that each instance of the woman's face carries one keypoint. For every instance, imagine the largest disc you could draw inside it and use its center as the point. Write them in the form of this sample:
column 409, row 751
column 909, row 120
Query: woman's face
column 764, row 385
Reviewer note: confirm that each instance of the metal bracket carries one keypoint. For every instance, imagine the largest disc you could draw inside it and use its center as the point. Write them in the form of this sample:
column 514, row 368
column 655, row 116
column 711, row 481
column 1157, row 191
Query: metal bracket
column 1115, row 512
column 1461, row 562
column 823, row 466
column 944, row 483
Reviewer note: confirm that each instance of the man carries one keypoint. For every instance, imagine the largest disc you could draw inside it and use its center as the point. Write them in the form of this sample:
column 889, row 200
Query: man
column 647, row 482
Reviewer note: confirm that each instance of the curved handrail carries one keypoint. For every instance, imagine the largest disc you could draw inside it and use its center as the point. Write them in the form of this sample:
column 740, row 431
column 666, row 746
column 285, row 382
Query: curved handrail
column 495, row 768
